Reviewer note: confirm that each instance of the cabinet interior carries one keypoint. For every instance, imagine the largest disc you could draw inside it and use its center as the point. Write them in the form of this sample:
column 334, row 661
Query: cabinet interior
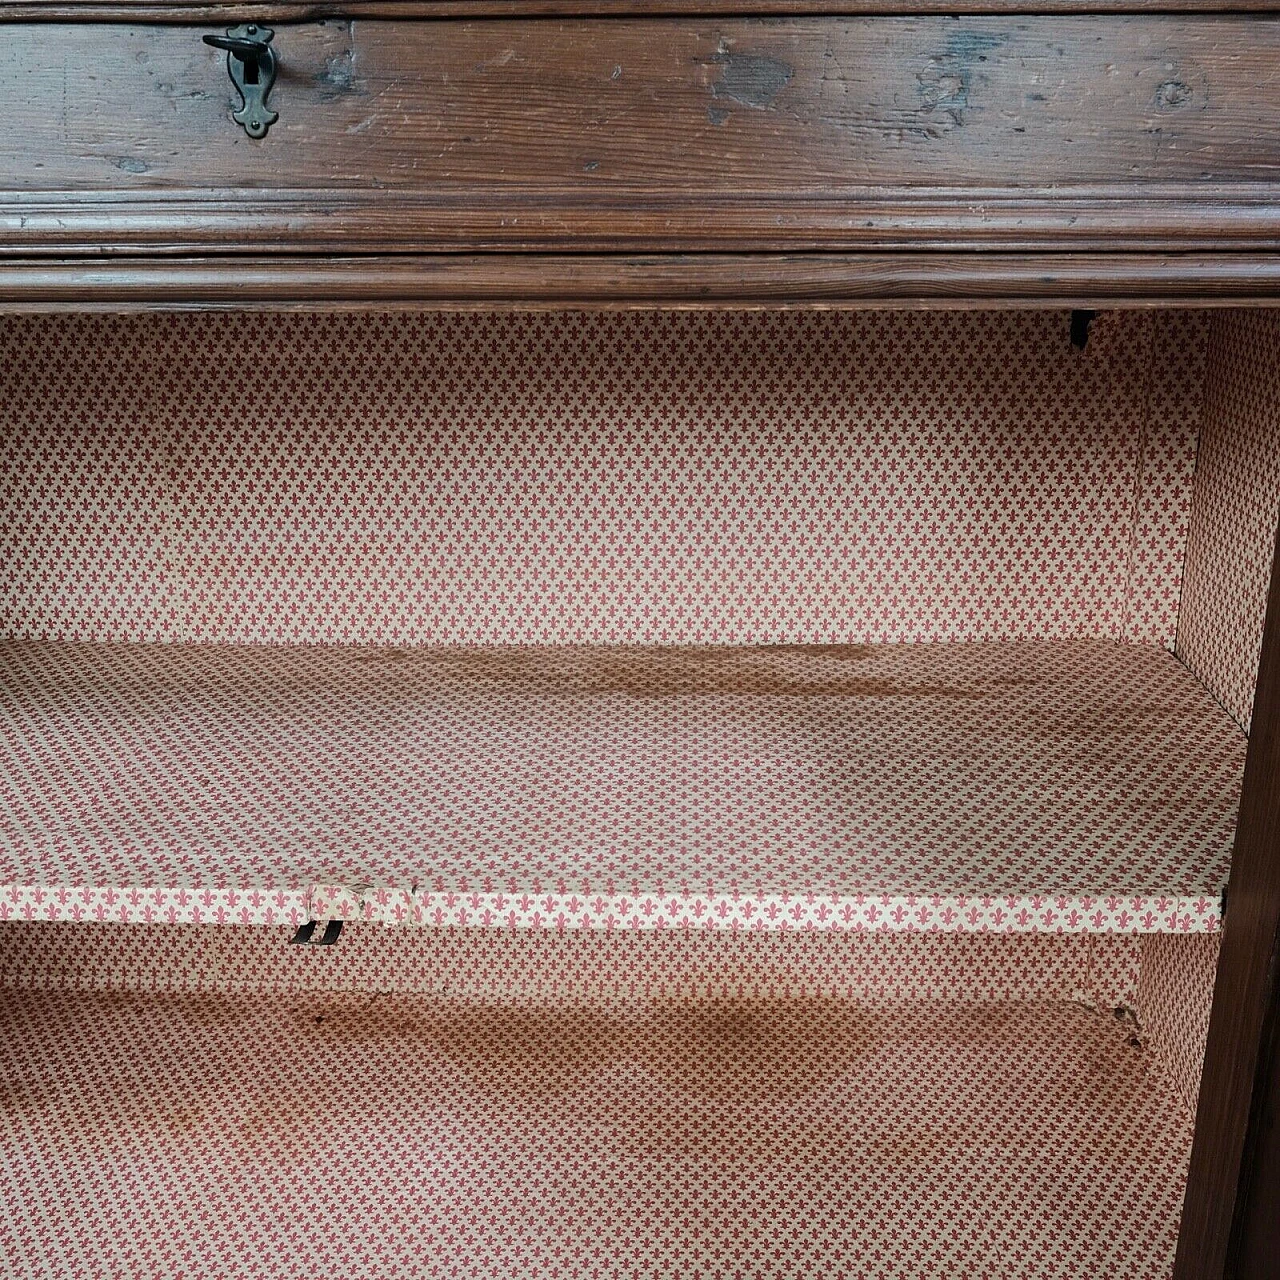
column 777, row 772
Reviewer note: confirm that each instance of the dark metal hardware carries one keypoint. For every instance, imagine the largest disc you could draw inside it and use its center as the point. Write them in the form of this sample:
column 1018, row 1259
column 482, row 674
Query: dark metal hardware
column 251, row 64
column 305, row 934
column 1080, row 322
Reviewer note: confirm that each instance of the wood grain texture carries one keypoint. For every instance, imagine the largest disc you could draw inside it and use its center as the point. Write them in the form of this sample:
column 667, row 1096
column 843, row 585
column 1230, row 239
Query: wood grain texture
column 702, row 280
column 652, row 134
column 1182, row 217
column 1256, row 1250
column 235, row 11
column 1229, row 1212
column 1256, row 1239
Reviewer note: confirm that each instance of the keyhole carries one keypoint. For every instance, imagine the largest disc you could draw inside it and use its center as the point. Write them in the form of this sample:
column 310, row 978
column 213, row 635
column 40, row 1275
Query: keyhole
column 251, row 71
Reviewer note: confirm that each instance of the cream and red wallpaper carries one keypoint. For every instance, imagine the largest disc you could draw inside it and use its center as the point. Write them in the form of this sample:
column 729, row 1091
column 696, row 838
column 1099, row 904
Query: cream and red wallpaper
column 654, row 478
column 658, row 477
column 1237, row 499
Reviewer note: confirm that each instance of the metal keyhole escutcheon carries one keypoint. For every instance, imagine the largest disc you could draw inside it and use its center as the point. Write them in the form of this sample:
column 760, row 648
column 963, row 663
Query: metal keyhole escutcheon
column 251, row 64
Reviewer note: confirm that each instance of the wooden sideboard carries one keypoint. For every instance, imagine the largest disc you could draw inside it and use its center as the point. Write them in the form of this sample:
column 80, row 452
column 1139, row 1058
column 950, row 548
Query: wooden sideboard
column 722, row 155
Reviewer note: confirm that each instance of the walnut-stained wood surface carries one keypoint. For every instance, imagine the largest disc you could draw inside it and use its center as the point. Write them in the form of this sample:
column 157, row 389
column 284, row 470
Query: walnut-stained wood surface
column 1109, row 132
column 309, row 10
column 1233, row 1186
column 689, row 280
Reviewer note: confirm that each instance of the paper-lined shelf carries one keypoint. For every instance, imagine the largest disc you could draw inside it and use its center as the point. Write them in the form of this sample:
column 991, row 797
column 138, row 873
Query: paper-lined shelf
column 146, row 1135
column 1055, row 785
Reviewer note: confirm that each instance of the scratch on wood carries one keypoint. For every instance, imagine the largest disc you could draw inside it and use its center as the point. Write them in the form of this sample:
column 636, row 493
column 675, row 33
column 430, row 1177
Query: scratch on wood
column 968, row 46
column 1172, row 94
column 752, row 79
column 943, row 90
column 339, row 74
column 498, row 61
column 946, row 82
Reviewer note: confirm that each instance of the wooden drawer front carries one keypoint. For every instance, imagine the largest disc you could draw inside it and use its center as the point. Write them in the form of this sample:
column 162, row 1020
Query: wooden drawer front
column 1105, row 131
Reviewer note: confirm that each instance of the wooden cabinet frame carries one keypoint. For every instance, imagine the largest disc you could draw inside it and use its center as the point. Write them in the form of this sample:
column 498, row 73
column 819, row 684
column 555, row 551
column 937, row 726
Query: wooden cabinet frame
column 1175, row 246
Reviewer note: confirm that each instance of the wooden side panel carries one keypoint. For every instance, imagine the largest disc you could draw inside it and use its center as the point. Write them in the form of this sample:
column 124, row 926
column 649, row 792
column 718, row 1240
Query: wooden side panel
column 640, row 133
column 1258, row 1213
column 1235, row 1131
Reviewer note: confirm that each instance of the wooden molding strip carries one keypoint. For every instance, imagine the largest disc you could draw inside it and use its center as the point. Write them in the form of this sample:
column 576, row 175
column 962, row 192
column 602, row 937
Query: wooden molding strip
column 1160, row 217
column 696, row 280
column 238, row 11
